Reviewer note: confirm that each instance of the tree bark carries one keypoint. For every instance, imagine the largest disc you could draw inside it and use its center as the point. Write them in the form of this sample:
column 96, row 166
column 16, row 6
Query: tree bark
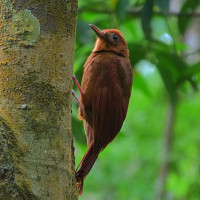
column 36, row 58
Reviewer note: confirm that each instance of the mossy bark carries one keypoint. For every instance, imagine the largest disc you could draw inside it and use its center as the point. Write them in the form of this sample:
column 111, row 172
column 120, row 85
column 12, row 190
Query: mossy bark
column 36, row 59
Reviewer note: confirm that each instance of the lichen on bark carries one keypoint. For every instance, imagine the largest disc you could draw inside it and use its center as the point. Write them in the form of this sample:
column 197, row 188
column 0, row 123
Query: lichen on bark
column 36, row 59
column 26, row 26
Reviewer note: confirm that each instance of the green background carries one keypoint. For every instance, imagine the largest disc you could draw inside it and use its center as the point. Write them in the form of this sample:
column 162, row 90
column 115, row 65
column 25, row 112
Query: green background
column 165, row 84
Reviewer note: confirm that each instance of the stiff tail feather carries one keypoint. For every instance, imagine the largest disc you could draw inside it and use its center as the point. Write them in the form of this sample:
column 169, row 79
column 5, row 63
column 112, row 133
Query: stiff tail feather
column 89, row 133
column 85, row 166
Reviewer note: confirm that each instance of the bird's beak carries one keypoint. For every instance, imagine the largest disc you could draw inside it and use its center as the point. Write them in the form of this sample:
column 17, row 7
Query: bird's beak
column 99, row 33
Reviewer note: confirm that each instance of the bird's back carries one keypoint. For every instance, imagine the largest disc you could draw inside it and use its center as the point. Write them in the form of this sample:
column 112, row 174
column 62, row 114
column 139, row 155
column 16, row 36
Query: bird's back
column 106, row 84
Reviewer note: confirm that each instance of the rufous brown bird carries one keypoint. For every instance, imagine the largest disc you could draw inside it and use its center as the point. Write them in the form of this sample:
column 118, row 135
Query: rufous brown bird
column 104, row 95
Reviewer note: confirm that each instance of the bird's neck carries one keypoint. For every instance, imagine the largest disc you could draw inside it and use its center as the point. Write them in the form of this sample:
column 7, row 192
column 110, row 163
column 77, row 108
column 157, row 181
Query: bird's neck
column 106, row 47
column 109, row 51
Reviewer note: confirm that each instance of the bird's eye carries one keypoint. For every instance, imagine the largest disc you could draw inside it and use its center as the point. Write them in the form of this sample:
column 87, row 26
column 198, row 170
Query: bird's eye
column 115, row 37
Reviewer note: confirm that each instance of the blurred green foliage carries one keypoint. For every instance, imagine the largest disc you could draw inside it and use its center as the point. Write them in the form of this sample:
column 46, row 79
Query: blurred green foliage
column 131, row 166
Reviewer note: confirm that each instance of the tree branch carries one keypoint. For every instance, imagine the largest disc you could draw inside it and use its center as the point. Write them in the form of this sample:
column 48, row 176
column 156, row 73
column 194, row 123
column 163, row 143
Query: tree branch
column 137, row 13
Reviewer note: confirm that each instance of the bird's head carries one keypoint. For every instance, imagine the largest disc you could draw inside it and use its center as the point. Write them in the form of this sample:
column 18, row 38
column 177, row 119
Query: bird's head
column 110, row 40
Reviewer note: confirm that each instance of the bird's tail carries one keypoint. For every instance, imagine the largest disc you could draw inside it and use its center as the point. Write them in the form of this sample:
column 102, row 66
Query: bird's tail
column 85, row 166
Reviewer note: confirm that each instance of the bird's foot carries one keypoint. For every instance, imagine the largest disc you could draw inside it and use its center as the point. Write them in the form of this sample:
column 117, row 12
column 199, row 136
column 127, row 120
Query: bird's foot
column 77, row 84
column 75, row 96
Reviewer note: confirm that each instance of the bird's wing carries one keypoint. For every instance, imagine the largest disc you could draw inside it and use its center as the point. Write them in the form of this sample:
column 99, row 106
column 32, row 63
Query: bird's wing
column 109, row 106
column 89, row 132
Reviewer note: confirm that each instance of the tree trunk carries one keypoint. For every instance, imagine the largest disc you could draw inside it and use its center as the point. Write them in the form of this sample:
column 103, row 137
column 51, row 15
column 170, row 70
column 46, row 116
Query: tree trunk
column 36, row 59
column 161, row 192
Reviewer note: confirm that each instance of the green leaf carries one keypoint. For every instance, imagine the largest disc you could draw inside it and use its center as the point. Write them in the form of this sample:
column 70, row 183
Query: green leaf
column 188, row 8
column 163, row 5
column 81, row 55
column 147, row 13
column 197, row 78
column 137, row 52
column 191, row 71
column 84, row 34
column 169, row 66
column 78, row 131
column 113, row 3
column 121, row 8
column 140, row 83
column 181, row 46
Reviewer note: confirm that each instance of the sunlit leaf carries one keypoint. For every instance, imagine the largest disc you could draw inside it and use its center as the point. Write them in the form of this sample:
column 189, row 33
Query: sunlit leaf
column 181, row 46
column 113, row 3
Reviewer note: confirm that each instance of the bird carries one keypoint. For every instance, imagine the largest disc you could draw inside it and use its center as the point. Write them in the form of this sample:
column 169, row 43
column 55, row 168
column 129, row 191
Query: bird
column 104, row 95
